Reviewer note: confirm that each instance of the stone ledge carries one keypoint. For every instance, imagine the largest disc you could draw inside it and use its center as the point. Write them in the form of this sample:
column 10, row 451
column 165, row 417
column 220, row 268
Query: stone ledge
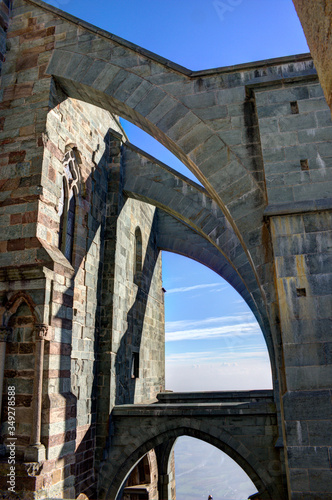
column 194, row 409
column 298, row 207
column 31, row 263
column 214, row 396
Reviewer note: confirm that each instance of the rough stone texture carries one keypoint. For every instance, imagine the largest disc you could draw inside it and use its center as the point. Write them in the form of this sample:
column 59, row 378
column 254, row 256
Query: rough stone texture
column 316, row 20
column 247, row 431
column 297, row 162
column 258, row 137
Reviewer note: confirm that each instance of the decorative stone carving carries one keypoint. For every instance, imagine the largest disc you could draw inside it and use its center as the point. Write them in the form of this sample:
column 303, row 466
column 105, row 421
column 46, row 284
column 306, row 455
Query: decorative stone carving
column 41, row 331
column 33, row 468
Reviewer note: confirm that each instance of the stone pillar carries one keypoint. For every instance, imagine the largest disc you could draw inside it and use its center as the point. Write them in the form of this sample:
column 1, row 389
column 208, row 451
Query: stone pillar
column 302, row 249
column 3, row 339
column 36, row 451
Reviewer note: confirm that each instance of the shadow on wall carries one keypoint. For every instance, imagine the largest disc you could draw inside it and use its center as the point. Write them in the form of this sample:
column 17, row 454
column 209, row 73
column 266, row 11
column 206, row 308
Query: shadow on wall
column 127, row 364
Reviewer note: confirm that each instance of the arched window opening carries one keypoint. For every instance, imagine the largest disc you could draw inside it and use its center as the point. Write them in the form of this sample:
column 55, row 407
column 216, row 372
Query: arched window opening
column 202, row 470
column 67, row 205
column 213, row 340
column 138, row 256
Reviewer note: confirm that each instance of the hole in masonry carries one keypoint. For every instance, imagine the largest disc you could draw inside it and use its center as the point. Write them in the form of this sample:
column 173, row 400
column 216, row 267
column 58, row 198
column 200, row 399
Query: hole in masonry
column 294, row 107
column 304, row 164
column 301, row 292
column 135, row 365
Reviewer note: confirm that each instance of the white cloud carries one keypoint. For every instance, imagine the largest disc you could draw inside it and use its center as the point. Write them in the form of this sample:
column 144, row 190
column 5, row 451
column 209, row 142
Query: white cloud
column 194, row 287
column 235, row 326
column 220, row 356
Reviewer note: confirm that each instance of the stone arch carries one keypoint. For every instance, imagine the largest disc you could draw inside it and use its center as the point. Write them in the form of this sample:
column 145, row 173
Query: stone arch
column 220, row 438
column 168, row 103
column 183, row 110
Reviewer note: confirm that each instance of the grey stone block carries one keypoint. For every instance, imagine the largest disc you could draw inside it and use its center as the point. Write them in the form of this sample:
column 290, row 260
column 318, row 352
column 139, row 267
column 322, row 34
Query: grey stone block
column 299, row 480
column 280, row 194
column 279, row 140
column 320, row 480
column 307, row 405
column 320, row 432
column 315, row 135
column 273, row 110
column 308, row 457
column 289, row 95
column 324, row 118
column 297, row 122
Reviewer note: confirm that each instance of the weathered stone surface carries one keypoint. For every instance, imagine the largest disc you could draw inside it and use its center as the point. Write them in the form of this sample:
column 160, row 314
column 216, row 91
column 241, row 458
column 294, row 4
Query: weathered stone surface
column 258, row 137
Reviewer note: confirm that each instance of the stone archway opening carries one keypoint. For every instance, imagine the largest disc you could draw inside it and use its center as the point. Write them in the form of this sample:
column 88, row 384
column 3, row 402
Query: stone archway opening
column 202, row 469
column 213, row 341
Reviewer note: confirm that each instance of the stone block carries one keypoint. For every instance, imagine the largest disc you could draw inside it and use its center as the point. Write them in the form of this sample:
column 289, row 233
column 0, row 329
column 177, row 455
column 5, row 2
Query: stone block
column 302, row 379
column 297, row 122
column 324, row 118
column 299, row 480
column 307, row 405
column 320, row 480
column 297, row 433
column 317, row 191
column 279, row 140
column 319, row 432
column 280, row 194
column 289, row 94
column 273, row 110
column 315, row 135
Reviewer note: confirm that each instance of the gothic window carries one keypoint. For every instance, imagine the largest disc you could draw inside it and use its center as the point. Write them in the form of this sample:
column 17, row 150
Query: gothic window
column 67, row 205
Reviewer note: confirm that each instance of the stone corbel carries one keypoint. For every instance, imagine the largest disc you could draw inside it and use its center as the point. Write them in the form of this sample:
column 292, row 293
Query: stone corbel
column 36, row 451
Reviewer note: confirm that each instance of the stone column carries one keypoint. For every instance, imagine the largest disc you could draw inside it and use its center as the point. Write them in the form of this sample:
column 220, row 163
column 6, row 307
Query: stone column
column 36, row 451
column 3, row 339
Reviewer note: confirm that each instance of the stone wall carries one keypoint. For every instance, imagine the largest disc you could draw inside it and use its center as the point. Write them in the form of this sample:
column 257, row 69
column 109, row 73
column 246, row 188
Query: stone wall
column 39, row 285
column 295, row 127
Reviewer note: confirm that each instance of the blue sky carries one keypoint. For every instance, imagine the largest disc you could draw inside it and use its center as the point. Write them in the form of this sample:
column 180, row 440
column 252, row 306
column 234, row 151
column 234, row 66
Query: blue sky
column 213, row 340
